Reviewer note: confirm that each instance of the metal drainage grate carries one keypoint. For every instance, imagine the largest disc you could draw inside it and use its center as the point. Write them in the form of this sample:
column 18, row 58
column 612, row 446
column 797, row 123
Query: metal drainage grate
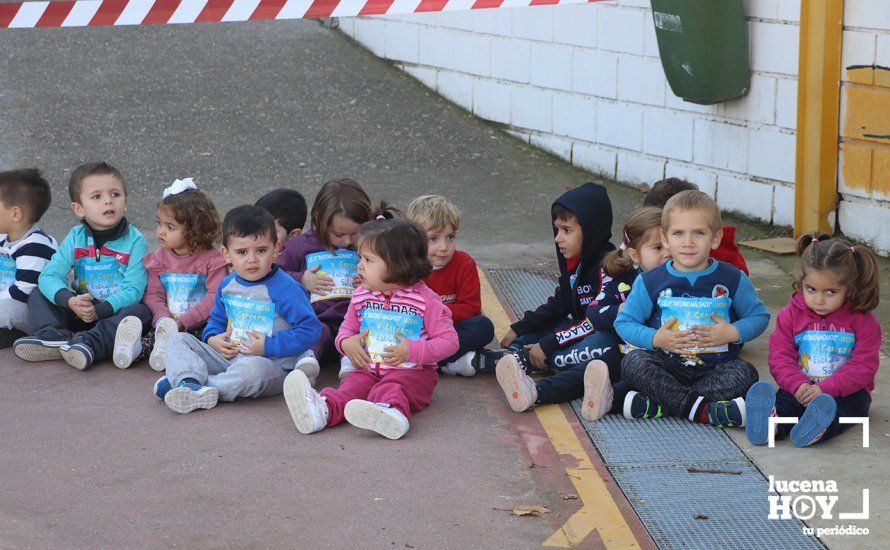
column 650, row 461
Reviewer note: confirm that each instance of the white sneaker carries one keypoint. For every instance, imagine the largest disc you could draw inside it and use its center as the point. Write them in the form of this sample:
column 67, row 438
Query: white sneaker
column 463, row 366
column 377, row 417
column 165, row 328
column 309, row 365
column 127, row 342
column 517, row 385
column 186, row 398
column 598, row 392
column 308, row 409
column 346, row 367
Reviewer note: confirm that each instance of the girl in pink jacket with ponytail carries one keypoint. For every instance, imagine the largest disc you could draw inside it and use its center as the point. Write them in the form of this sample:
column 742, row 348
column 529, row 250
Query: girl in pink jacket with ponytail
column 824, row 351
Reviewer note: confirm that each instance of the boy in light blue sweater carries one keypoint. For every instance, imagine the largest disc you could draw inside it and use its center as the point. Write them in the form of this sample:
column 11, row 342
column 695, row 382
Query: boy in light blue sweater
column 78, row 323
column 261, row 326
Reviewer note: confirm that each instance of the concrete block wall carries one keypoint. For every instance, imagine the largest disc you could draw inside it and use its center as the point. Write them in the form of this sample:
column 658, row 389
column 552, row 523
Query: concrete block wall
column 864, row 153
column 585, row 82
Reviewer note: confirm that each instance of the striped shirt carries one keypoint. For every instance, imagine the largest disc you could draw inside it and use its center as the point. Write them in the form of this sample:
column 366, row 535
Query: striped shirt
column 22, row 261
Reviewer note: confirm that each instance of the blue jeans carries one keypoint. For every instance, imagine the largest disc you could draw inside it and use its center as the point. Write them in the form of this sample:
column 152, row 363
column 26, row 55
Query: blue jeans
column 472, row 334
column 569, row 363
column 855, row 404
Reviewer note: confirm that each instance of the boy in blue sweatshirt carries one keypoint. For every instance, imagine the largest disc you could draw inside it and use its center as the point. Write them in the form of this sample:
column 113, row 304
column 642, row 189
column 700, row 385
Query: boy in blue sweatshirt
column 79, row 323
column 689, row 318
column 259, row 330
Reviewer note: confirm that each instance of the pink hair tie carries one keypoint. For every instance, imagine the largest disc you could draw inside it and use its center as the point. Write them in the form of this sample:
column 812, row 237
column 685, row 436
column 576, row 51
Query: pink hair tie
column 622, row 247
column 853, row 249
column 815, row 240
column 380, row 217
column 626, row 238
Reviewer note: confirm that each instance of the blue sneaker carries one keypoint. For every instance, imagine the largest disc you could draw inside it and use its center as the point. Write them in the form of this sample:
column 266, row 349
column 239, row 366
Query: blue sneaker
column 760, row 405
column 727, row 414
column 814, row 421
column 188, row 396
column 637, row 405
column 162, row 386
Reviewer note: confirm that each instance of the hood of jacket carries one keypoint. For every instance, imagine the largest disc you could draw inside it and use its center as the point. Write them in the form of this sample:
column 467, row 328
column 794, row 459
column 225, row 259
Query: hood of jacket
column 591, row 206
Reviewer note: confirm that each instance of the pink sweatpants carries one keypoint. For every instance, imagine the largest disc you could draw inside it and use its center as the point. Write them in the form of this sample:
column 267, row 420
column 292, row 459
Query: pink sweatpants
column 407, row 390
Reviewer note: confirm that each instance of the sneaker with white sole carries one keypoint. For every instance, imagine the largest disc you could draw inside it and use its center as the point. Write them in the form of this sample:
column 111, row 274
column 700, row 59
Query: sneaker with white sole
column 597, row 400
column 188, row 396
column 463, row 366
column 35, row 348
column 727, row 414
column 78, row 355
column 346, row 367
column 308, row 409
column 519, row 388
column 308, row 363
column 127, row 342
column 165, row 328
column 377, row 417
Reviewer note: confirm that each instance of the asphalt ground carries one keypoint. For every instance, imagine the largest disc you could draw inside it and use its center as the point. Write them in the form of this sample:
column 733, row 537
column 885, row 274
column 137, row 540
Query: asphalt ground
column 92, row 459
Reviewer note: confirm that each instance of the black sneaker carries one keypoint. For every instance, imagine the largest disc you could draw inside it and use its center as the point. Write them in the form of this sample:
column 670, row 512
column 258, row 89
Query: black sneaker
column 727, row 414
column 637, row 405
column 34, row 348
column 8, row 336
column 78, row 355
column 486, row 359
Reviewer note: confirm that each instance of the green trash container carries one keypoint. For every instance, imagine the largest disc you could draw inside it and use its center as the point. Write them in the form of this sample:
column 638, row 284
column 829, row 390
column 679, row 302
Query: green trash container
column 704, row 48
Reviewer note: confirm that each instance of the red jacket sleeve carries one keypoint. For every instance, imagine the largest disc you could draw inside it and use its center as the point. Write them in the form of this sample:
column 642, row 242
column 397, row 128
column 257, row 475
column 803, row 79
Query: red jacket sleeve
column 860, row 370
column 468, row 302
column 783, row 360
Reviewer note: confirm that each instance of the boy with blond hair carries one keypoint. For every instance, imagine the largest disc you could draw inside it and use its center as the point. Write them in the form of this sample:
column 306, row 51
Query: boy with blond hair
column 689, row 318
column 456, row 281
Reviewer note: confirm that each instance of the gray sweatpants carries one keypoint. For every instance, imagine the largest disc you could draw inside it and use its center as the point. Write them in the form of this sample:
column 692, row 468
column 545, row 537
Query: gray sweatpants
column 676, row 386
column 243, row 376
column 14, row 314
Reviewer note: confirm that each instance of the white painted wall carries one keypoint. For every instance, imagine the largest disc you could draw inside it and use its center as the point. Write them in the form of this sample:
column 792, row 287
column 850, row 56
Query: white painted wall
column 585, row 82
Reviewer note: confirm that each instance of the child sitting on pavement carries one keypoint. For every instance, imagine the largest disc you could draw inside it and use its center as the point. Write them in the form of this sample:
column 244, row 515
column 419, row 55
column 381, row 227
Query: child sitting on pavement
column 689, row 318
column 79, row 323
column 25, row 249
column 260, row 325
column 558, row 334
column 455, row 279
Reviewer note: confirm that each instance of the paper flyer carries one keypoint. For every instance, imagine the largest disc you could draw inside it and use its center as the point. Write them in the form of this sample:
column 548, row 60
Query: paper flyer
column 383, row 325
column 184, row 290
column 822, row 352
column 691, row 311
column 341, row 266
column 7, row 272
column 247, row 315
column 101, row 279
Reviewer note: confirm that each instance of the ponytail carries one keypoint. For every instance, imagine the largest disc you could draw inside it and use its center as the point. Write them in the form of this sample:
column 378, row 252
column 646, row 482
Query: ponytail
column 618, row 262
column 385, row 211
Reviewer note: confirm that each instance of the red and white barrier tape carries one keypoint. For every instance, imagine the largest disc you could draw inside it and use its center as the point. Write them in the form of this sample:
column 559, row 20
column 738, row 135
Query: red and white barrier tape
column 92, row 13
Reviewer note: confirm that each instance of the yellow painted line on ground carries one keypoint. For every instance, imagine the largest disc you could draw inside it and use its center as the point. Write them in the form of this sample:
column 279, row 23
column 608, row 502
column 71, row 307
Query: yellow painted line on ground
column 598, row 508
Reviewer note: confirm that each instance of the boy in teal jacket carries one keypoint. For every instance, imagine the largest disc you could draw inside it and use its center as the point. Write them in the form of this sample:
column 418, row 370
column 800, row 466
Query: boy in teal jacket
column 78, row 323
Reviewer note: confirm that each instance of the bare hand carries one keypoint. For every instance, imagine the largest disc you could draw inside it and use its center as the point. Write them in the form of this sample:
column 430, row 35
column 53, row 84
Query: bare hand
column 508, row 338
column 675, row 341
column 221, row 344
column 397, row 354
column 255, row 345
column 536, row 356
column 801, row 391
column 715, row 335
column 315, row 283
column 82, row 306
column 810, row 394
column 354, row 348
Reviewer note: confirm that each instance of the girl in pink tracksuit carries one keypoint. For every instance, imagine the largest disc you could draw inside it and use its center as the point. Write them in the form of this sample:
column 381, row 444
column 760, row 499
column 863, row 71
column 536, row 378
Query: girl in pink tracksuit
column 824, row 351
column 395, row 332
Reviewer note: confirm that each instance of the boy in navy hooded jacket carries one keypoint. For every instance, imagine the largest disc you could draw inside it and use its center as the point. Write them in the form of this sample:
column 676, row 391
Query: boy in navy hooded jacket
column 558, row 335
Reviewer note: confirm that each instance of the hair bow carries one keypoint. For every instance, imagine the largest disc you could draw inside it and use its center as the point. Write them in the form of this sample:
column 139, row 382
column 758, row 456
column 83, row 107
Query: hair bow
column 179, row 186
